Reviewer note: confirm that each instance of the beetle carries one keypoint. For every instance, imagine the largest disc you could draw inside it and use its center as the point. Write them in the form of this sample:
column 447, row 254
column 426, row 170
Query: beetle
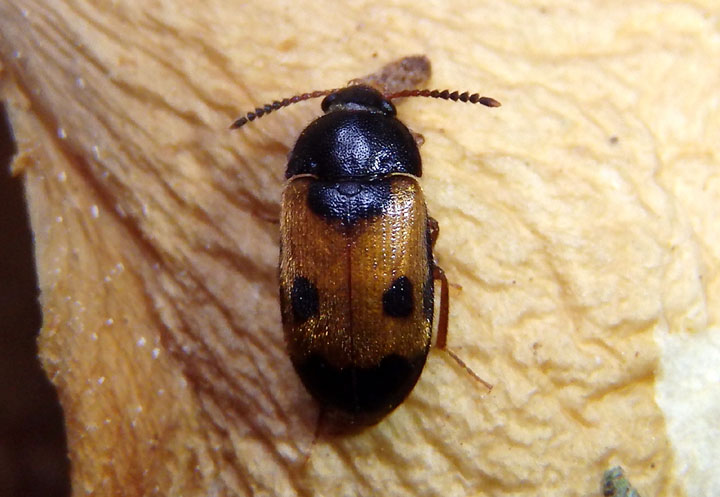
column 357, row 270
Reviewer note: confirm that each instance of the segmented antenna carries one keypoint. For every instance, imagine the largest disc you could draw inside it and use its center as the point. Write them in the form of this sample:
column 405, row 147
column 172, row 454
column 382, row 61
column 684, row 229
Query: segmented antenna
column 278, row 104
column 455, row 96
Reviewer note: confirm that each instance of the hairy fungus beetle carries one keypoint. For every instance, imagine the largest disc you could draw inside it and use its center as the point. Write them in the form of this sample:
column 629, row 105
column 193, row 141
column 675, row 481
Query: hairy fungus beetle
column 357, row 270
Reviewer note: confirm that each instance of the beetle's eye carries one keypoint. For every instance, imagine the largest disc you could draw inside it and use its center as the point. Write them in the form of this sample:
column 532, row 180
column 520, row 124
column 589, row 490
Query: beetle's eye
column 329, row 101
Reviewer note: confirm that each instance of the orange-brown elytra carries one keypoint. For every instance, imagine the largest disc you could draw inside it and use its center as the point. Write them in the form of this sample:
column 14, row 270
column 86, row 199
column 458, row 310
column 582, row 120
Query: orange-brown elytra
column 357, row 270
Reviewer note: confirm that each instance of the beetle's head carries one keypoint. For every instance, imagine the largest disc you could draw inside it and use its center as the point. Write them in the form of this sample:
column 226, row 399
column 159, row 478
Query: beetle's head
column 358, row 97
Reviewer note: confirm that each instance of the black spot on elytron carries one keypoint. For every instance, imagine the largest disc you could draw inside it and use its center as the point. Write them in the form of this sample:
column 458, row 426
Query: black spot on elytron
column 398, row 299
column 349, row 201
column 304, row 299
column 429, row 285
column 366, row 394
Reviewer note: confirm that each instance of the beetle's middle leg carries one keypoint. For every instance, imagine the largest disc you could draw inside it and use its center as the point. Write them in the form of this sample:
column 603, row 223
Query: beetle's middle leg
column 443, row 316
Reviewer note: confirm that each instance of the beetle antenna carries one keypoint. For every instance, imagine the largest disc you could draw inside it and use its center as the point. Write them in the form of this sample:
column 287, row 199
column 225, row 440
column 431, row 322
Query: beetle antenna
column 278, row 104
column 455, row 96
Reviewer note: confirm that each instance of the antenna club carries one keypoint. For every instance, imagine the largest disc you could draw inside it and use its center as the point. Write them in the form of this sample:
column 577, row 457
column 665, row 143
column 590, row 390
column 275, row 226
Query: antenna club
column 455, row 96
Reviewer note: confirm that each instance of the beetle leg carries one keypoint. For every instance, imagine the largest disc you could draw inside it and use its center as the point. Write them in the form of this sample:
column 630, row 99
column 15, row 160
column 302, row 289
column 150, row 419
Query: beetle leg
column 441, row 343
column 439, row 274
column 434, row 230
